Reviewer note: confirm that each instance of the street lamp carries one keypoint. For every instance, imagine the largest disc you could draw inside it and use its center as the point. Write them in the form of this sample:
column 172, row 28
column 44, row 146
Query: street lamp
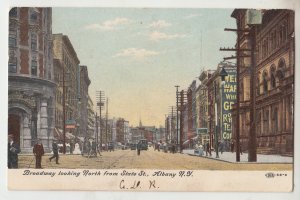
column 222, row 74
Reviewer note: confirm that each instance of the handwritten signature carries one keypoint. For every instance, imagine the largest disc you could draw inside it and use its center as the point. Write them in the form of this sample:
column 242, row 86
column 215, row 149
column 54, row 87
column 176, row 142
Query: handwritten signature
column 136, row 184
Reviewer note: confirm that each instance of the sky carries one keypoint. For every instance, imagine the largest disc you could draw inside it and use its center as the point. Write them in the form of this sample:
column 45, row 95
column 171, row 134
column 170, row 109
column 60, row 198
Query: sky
column 137, row 56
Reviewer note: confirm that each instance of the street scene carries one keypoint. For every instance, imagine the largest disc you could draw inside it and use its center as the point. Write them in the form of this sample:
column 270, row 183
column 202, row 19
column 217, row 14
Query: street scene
column 133, row 88
column 127, row 159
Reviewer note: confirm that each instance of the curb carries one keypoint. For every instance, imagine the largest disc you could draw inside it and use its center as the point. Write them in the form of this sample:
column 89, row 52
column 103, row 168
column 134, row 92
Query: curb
column 242, row 162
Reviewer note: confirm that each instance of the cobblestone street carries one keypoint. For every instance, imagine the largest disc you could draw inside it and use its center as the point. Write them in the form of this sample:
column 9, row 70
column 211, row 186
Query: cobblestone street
column 150, row 159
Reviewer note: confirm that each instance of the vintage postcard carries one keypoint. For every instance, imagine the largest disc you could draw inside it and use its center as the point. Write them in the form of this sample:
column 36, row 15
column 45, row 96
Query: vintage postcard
column 151, row 99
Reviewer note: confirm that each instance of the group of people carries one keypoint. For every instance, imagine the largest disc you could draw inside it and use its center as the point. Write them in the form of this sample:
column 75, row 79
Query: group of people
column 38, row 152
column 90, row 148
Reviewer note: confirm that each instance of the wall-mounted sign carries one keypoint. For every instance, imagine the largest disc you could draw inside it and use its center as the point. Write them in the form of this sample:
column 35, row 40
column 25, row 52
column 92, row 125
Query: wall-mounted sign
column 228, row 99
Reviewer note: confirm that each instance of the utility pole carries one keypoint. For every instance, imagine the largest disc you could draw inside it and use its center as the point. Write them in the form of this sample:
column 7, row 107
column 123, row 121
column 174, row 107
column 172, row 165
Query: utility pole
column 182, row 102
column 252, row 157
column 216, row 122
column 237, row 57
column 172, row 128
column 106, row 125
column 177, row 119
column 100, row 104
column 96, row 131
column 64, row 112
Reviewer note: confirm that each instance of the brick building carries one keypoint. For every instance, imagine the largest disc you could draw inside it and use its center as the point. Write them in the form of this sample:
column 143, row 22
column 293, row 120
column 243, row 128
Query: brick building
column 31, row 86
column 66, row 64
column 274, row 65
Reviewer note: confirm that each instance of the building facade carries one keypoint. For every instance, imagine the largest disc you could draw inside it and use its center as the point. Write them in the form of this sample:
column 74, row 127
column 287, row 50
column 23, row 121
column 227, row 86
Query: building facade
column 31, row 86
column 67, row 77
column 83, row 95
column 274, row 65
column 91, row 117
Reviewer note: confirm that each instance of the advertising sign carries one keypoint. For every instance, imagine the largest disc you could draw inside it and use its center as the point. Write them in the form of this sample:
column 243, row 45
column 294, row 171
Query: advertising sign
column 228, row 99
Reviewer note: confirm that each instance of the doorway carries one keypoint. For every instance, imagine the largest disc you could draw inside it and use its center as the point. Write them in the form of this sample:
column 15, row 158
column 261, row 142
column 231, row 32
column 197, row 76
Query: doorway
column 14, row 127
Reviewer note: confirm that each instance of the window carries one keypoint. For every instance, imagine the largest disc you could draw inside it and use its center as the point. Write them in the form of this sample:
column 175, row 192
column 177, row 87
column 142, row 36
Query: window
column 34, row 68
column 265, row 48
column 258, row 126
column 12, row 41
column 266, row 121
column 273, row 77
column 275, row 120
column 33, row 41
column 265, row 82
column 33, row 16
column 12, row 64
column 281, row 69
column 257, row 86
column 13, row 12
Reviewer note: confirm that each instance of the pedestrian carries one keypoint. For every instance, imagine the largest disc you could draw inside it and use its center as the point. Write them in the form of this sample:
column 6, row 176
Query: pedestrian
column 232, row 146
column 38, row 151
column 71, row 146
column 13, row 150
column 221, row 147
column 55, row 152
column 241, row 151
column 207, row 149
column 173, row 148
column 93, row 149
column 139, row 148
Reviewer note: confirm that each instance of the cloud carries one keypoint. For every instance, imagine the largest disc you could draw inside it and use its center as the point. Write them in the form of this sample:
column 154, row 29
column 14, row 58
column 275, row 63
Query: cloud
column 159, row 24
column 190, row 16
column 109, row 25
column 136, row 53
column 156, row 36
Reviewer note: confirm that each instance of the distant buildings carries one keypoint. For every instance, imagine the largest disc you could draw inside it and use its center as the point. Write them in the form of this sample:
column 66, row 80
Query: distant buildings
column 31, row 86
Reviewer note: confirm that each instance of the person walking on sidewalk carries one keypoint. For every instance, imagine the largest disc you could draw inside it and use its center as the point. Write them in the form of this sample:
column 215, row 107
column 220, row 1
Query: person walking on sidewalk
column 13, row 150
column 207, row 149
column 232, row 146
column 55, row 152
column 139, row 148
column 38, row 151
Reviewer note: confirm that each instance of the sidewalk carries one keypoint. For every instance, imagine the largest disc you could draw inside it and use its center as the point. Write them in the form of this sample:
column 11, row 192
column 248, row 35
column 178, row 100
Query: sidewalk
column 231, row 157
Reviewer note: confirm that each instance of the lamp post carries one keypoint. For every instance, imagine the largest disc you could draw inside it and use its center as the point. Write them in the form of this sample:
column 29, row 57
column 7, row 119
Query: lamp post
column 222, row 74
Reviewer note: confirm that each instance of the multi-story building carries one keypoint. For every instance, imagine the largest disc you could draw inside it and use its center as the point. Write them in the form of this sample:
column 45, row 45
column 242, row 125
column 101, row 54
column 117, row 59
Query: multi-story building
column 31, row 86
column 67, row 77
column 83, row 112
column 221, row 97
column 91, row 117
column 120, row 130
column 274, row 64
column 203, row 129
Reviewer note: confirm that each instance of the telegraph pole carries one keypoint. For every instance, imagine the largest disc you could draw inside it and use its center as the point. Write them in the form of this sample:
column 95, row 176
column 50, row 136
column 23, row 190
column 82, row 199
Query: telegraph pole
column 182, row 102
column 106, row 125
column 100, row 104
column 252, row 157
column 64, row 113
column 177, row 135
column 237, row 57
column 97, row 131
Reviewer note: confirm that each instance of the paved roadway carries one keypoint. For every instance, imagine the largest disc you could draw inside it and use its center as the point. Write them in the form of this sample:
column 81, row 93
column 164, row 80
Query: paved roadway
column 150, row 159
